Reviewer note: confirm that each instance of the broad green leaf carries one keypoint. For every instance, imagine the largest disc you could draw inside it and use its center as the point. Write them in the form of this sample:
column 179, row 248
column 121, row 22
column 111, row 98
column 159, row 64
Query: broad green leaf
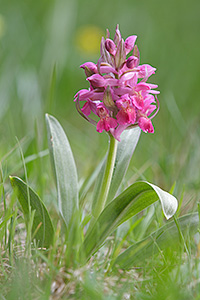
column 42, row 225
column 125, row 149
column 166, row 236
column 133, row 200
column 64, row 169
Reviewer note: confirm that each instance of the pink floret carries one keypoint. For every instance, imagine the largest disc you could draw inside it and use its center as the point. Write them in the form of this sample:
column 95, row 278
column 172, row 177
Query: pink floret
column 145, row 124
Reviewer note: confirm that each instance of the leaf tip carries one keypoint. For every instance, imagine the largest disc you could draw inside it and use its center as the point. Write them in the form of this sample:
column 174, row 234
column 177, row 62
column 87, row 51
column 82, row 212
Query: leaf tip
column 11, row 179
column 46, row 116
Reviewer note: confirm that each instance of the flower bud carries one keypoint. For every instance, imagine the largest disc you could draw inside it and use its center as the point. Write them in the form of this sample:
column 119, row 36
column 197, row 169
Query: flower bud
column 110, row 46
column 132, row 62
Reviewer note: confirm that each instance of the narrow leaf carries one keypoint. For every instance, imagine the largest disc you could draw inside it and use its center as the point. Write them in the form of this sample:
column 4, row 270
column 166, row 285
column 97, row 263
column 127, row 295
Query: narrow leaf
column 42, row 225
column 133, row 200
column 64, row 169
column 166, row 236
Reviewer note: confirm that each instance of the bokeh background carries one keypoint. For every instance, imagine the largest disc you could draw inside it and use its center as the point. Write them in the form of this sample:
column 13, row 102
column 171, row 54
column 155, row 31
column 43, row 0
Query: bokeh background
column 42, row 44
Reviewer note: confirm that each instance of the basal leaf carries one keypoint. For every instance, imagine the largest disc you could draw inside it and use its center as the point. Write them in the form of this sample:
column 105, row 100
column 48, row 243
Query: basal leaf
column 133, row 200
column 42, row 225
column 64, row 169
column 166, row 236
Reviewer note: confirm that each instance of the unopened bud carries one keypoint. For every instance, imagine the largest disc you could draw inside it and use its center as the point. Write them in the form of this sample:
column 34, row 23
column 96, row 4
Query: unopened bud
column 110, row 46
column 131, row 62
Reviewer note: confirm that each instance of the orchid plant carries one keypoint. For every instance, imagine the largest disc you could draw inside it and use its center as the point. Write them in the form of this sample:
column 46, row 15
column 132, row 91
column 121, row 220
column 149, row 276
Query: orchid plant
column 120, row 102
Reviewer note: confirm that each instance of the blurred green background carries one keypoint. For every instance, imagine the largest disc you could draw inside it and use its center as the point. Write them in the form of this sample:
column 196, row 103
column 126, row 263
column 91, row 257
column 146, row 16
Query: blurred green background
column 42, row 44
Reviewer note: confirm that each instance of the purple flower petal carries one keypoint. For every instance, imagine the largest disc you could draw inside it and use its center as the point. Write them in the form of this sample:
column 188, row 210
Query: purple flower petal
column 129, row 43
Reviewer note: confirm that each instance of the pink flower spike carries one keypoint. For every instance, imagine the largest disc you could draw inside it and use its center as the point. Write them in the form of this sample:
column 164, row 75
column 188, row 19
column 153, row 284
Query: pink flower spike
column 145, row 124
column 118, row 95
column 130, row 42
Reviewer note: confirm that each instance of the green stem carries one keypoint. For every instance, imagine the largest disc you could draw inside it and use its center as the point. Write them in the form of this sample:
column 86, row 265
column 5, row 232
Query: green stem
column 107, row 177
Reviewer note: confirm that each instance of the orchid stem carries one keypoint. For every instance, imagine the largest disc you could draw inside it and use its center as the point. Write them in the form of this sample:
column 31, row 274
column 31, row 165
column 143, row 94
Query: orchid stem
column 107, row 177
